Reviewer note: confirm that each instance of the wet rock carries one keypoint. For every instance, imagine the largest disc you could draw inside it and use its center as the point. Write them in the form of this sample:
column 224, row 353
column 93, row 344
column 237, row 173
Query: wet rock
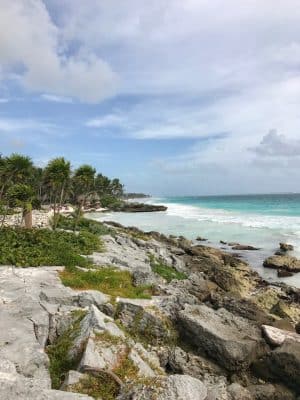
column 283, row 262
column 276, row 337
column 139, row 207
column 173, row 387
column 281, row 273
column 230, row 340
column 286, row 247
column 244, row 247
column 201, row 239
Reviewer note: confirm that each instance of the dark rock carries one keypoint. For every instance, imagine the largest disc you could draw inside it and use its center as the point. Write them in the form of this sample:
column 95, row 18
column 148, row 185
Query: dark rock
column 281, row 365
column 286, row 247
column 268, row 391
column 139, row 207
column 222, row 242
column 201, row 239
column 244, row 247
column 297, row 327
column 281, row 273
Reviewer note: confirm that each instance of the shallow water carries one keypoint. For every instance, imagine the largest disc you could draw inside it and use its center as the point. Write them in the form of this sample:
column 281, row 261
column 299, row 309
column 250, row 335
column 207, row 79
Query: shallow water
column 260, row 221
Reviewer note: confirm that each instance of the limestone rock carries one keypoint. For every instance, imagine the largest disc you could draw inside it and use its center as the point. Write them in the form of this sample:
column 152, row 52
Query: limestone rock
column 276, row 337
column 232, row 341
column 174, row 387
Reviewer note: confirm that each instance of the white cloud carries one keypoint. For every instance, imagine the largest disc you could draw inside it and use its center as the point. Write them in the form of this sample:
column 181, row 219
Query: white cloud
column 109, row 120
column 31, row 45
column 56, row 99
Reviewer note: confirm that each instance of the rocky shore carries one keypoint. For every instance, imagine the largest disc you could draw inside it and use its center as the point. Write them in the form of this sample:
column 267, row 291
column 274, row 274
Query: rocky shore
column 212, row 330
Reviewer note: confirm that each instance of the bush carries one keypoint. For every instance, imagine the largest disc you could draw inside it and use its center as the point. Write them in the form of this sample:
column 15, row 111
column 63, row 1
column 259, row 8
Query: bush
column 83, row 224
column 37, row 247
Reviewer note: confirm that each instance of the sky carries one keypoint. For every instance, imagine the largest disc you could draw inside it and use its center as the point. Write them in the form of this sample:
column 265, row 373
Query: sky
column 192, row 97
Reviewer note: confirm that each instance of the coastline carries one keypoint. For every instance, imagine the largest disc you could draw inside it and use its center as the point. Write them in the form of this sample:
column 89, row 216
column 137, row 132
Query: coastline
column 159, row 221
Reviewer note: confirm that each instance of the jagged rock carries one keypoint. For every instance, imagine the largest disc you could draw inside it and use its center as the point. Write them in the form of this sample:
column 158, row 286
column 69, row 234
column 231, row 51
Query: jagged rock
column 148, row 322
column 276, row 337
column 286, row 247
column 283, row 262
column 174, row 387
column 281, row 365
column 231, row 340
column 87, row 298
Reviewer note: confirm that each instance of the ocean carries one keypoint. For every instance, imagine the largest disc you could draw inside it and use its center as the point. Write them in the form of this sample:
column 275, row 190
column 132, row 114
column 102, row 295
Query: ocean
column 258, row 220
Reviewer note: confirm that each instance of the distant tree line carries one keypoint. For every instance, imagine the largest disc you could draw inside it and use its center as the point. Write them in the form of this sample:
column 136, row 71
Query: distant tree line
column 27, row 186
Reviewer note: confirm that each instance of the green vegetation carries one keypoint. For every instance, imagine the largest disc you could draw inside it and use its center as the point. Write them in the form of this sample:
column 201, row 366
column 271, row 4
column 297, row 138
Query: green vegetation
column 164, row 270
column 36, row 247
column 58, row 352
column 24, row 185
column 102, row 385
column 83, row 224
column 107, row 280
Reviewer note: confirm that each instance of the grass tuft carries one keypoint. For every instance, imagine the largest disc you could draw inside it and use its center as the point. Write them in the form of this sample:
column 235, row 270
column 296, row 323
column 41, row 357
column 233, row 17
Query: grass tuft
column 107, row 280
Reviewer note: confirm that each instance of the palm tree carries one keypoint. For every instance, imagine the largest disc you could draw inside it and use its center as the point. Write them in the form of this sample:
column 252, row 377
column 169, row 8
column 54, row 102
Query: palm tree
column 57, row 176
column 14, row 169
column 83, row 186
column 22, row 195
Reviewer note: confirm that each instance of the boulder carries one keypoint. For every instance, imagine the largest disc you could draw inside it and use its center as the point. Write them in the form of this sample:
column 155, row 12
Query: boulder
column 230, row 340
column 276, row 337
column 286, row 247
column 281, row 365
column 268, row 391
column 238, row 392
column 173, row 387
column 283, row 262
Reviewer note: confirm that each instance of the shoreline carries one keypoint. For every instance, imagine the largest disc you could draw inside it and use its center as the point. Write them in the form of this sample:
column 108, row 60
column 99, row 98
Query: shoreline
column 254, row 258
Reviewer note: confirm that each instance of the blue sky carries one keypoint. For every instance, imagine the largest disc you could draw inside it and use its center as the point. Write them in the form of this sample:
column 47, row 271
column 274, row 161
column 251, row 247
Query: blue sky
column 194, row 97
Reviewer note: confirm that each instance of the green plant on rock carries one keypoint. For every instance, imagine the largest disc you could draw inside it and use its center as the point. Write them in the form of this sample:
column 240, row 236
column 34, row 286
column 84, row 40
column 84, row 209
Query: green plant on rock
column 60, row 360
column 165, row 271
column 107, row 280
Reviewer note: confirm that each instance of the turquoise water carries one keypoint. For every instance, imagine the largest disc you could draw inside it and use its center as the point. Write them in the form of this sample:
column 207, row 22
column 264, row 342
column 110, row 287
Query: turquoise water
column 267, row 204
column 258, row 220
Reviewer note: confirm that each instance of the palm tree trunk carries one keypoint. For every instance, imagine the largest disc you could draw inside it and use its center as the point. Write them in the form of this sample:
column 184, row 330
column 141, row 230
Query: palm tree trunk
column 27, row 215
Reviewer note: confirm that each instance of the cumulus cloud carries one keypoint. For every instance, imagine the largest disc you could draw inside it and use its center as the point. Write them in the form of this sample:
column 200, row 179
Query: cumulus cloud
column 31, row 47
column 276, row 145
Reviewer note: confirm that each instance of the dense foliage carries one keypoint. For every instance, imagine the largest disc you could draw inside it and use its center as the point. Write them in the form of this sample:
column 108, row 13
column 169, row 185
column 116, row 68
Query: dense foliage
column 83, row 224
column 36, row 247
